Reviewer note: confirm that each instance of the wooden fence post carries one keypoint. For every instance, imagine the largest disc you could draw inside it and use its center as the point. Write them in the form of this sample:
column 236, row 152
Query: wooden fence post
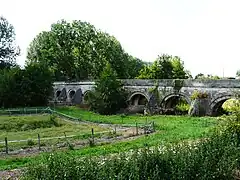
column 65, row 135
column 39, row 142
column 115, row 129
column 92, row 135
column 6, row 145
column 153, row 126
column 136, row 128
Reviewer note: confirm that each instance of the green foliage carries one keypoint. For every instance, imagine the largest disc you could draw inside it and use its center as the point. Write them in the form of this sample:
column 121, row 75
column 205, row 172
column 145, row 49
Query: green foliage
column 231, row 105
column 214, row 158
column 30, row 142
column 108, row 96
column 8, row 50
column 198, row 95
column 238, row 73
column 183, row 106
column 165, row 67
column 77, row 50
column 169, row 129
column 134, row 67
column 14, row 124
column 178, row 84
column 28, row 127
column 209, row 76
column 31, row 86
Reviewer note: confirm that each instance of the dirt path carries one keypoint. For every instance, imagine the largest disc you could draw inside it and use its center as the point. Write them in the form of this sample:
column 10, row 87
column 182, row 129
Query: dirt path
column 10, row 174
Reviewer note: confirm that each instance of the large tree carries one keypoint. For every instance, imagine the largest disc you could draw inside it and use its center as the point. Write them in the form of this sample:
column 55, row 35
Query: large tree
column 77, row 50
column 31, row 86
column 165, row 67
column 8, row 49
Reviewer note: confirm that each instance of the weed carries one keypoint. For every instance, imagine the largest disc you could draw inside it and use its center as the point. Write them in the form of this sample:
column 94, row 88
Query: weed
column 30, row 142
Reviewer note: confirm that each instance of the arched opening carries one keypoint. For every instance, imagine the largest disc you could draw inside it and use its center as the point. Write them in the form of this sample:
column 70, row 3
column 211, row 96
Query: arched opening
column 138, row 99
column 58, row 92
column 225, row 106
column 71, row 94
column 137, row 103
column 175, row 104
column 86, row 97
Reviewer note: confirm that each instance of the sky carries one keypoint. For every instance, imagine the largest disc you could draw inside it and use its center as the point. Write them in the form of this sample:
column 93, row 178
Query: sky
column 205, row 34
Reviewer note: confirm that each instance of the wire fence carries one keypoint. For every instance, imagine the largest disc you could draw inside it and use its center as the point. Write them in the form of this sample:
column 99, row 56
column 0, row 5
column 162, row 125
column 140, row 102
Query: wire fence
column 64, row 140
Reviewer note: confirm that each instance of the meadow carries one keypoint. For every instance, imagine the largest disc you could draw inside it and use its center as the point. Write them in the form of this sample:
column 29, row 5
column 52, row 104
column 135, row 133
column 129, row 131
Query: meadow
column 169, row 129
column 22, row 130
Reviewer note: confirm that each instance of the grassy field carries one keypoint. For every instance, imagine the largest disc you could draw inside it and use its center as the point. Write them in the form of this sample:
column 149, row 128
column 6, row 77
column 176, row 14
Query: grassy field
column 169, row 129
column 28, row 127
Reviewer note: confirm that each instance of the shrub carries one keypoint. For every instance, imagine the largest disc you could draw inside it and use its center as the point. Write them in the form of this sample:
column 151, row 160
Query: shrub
column 182, row 107
column 30, row 142
column 198, row 95
column 231, row 105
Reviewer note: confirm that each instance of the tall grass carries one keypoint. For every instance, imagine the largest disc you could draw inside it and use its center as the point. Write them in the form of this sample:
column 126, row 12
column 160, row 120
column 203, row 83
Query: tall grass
column 21, row 123
column 212, row 158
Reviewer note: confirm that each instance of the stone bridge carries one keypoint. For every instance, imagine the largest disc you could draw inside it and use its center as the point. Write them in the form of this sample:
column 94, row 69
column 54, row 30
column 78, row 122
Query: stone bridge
column 167, row 92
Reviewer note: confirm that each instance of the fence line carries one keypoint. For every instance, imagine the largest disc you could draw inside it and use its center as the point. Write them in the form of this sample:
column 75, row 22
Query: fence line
column 50, row 111
column 50, row 138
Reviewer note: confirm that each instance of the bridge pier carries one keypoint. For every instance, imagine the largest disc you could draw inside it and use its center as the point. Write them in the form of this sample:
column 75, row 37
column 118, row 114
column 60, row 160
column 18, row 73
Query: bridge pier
column 199, row 107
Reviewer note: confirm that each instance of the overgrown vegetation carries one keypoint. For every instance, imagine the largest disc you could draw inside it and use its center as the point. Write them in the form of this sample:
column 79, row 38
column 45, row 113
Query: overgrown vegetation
column 182, row 107
column 169, row 129
column 212, row 158
column 31, row 86
column 231, row 105
column 24, row 123
column 198, row 95
column 28, row 127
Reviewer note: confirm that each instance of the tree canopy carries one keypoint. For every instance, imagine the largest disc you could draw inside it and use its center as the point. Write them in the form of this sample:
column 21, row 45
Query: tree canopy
column 31, row 86
column 209, row 76
column 165, row 67
column 238, row 73
column 8, row 49
column 77, row 50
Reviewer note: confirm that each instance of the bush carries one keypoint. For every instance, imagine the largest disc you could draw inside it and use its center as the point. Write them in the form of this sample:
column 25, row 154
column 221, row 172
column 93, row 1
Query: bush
column 198, row 95
column 231, row 105
column 30, row 142
column 183, row 107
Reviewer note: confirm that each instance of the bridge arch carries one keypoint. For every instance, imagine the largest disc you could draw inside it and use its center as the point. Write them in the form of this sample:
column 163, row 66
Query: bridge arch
column 216, row 103
column 57, row 93
column 138, row 98
column 86, row 96
column 171, row 100
column 71, row 93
